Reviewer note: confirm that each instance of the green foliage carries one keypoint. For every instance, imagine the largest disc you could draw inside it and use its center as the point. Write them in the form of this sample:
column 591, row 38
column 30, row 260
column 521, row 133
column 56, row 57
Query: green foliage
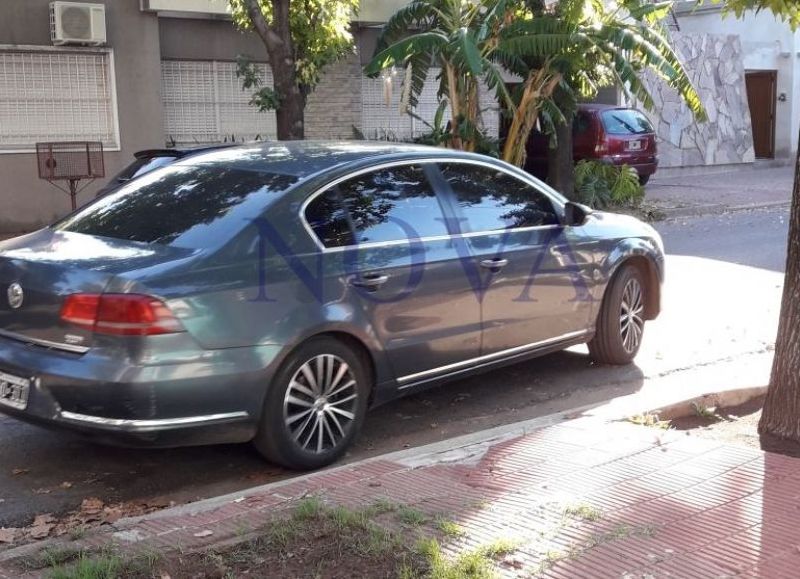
column 572, row 48
column 320, row 30
column 600, row 184
column 476, row 564
column 263, row 97
column 786, row 10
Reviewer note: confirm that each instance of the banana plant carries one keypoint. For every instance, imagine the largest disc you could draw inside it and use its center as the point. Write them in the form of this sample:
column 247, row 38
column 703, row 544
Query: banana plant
column 493, row 40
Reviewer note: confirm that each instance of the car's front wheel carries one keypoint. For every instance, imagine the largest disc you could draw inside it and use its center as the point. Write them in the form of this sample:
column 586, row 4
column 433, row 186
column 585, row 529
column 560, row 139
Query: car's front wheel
column 315, row 406
column 620, row 323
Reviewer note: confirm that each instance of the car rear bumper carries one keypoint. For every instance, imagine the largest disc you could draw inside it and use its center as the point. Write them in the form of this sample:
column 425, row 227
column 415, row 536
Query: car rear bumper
column 214, row 398
column 644, row 166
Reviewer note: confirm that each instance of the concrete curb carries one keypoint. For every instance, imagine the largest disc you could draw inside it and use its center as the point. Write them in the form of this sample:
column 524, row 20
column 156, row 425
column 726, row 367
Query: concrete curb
column 710, row 400
column 715, row 209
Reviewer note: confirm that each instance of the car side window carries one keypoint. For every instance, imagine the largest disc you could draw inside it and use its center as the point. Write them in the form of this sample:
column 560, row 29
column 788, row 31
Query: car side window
column 581, row 124
column 328, row 219
column 491, row 199
column 392, row 204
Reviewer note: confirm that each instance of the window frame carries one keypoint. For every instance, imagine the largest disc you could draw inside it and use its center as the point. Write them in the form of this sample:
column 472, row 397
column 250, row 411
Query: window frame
column 443, row 195
column 112, row 83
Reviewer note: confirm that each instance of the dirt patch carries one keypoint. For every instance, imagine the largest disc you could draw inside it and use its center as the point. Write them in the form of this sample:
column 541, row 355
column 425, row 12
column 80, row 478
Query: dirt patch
column 736, row 425
column 314, row 540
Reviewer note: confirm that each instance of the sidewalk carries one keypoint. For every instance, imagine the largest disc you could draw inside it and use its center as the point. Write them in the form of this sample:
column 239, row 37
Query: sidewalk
column 583, row 498
column 726, row 189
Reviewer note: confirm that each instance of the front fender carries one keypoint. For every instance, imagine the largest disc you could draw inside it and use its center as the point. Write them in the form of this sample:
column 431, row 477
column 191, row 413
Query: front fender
column 644, row 254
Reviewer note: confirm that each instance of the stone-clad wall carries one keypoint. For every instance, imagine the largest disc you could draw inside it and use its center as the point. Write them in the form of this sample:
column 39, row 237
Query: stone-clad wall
column 714, row 62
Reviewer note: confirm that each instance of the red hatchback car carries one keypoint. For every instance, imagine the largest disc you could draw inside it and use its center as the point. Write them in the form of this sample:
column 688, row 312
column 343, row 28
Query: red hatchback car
column 613, row 134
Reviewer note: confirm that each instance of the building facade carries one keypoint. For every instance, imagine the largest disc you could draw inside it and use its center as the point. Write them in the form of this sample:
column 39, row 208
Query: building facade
column 747, row 72
column 166, row 74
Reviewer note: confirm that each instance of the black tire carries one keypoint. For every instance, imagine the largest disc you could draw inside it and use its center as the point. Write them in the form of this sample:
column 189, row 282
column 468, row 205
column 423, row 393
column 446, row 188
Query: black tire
column 612, row 343
column 279, row 441
column 644, row 180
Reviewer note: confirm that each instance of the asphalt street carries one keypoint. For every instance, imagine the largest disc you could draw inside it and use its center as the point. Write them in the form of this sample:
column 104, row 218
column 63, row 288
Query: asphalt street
column 721, row 300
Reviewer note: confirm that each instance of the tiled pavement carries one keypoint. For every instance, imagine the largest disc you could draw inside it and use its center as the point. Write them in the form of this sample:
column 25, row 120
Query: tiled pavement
column 584, row 498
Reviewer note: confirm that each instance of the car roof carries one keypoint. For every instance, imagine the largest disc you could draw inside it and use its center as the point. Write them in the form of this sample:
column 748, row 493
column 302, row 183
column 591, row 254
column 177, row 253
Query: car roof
column 305, row 158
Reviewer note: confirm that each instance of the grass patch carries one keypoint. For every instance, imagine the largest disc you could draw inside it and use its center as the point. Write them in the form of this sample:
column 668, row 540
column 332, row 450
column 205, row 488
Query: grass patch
column 450, row 529
column 476, row 564
column 86, row 567
column 105, row 565
column 308, row 508
column 411, row 516
column 584, row 512
column 53, row 557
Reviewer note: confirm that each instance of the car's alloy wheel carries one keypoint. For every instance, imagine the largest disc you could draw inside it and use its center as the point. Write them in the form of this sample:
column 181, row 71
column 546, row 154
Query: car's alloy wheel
column 631, row 321
column 620, row 323
column 314, row 405
column 321, row 403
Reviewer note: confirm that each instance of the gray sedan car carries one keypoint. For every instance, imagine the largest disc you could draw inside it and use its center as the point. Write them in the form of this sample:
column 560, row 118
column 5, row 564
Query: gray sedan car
column 273, row 293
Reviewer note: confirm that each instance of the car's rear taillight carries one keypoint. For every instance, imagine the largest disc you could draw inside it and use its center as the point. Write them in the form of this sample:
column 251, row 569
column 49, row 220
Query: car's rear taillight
column 120, row 314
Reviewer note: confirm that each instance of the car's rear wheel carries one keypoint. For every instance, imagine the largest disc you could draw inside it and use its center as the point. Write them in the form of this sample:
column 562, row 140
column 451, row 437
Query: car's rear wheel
column 315, row 406
column 644, row 180
column 620, row 323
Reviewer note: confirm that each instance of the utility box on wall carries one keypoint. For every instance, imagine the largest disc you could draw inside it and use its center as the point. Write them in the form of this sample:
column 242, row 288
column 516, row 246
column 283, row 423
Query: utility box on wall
column 77, row 23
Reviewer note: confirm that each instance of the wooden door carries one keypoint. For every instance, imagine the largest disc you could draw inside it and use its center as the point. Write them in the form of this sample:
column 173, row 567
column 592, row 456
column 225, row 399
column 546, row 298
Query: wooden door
column 762, row 97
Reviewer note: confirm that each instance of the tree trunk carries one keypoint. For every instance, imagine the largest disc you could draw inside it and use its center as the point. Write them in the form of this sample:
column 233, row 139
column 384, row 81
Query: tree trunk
column 560, row 162
column 781, row 414
column 277, row 39
column 290, row 114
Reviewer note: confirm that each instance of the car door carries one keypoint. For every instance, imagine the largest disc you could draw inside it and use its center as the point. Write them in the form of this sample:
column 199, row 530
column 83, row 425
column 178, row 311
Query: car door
column 401, row 268
column 528, row 272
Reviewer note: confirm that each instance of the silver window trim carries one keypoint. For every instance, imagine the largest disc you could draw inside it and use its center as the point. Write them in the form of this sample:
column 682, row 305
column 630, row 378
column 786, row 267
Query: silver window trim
column 427, row 160
column 411, row 379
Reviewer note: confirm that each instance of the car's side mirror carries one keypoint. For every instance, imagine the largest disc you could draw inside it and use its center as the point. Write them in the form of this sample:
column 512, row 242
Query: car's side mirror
column 575, row 213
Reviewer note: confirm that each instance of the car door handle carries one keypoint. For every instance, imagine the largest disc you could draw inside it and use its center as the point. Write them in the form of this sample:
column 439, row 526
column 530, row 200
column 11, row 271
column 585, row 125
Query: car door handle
column 370, row 282
column 494, row 264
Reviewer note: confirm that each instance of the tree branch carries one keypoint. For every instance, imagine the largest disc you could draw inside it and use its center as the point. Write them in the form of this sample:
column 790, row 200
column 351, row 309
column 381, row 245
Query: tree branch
column 271, row 39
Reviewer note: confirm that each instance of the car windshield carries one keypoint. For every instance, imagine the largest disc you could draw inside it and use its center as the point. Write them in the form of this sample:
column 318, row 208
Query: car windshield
column 626, row 122
column 182, row 205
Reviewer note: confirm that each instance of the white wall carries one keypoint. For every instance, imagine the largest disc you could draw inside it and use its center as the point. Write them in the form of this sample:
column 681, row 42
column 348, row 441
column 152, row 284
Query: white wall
column 768, row 44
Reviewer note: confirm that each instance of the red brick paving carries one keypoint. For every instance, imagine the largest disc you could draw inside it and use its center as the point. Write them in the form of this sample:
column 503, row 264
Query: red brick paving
column 669, row 505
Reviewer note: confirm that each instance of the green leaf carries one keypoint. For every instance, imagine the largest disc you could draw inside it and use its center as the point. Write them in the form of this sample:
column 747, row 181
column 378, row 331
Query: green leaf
column 399, row 52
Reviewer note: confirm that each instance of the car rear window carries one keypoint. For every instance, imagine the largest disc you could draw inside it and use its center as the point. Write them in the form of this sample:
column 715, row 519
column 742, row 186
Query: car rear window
column 182, row 205
column 626, row 122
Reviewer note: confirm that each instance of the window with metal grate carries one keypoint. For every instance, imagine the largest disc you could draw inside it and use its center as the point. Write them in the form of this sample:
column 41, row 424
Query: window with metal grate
column 382, row 118
column 56, row 95
column 204, row 103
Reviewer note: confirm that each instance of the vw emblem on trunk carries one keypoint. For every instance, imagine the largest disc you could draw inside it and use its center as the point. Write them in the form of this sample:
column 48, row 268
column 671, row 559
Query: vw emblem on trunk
column 15, row 296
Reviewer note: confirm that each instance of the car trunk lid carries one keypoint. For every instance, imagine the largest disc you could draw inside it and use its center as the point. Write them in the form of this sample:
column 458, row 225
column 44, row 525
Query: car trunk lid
column 39, row 270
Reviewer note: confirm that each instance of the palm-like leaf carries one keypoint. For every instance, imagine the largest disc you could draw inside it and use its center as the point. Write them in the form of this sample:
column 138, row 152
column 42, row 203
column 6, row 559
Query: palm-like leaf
column 560, row 53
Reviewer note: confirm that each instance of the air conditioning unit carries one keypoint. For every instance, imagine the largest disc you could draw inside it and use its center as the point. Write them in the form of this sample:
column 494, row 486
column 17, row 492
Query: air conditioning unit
column 77, row 23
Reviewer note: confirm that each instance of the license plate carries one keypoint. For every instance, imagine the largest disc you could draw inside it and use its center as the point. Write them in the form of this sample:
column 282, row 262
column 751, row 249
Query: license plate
column 634, row 145
column 14, row 391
